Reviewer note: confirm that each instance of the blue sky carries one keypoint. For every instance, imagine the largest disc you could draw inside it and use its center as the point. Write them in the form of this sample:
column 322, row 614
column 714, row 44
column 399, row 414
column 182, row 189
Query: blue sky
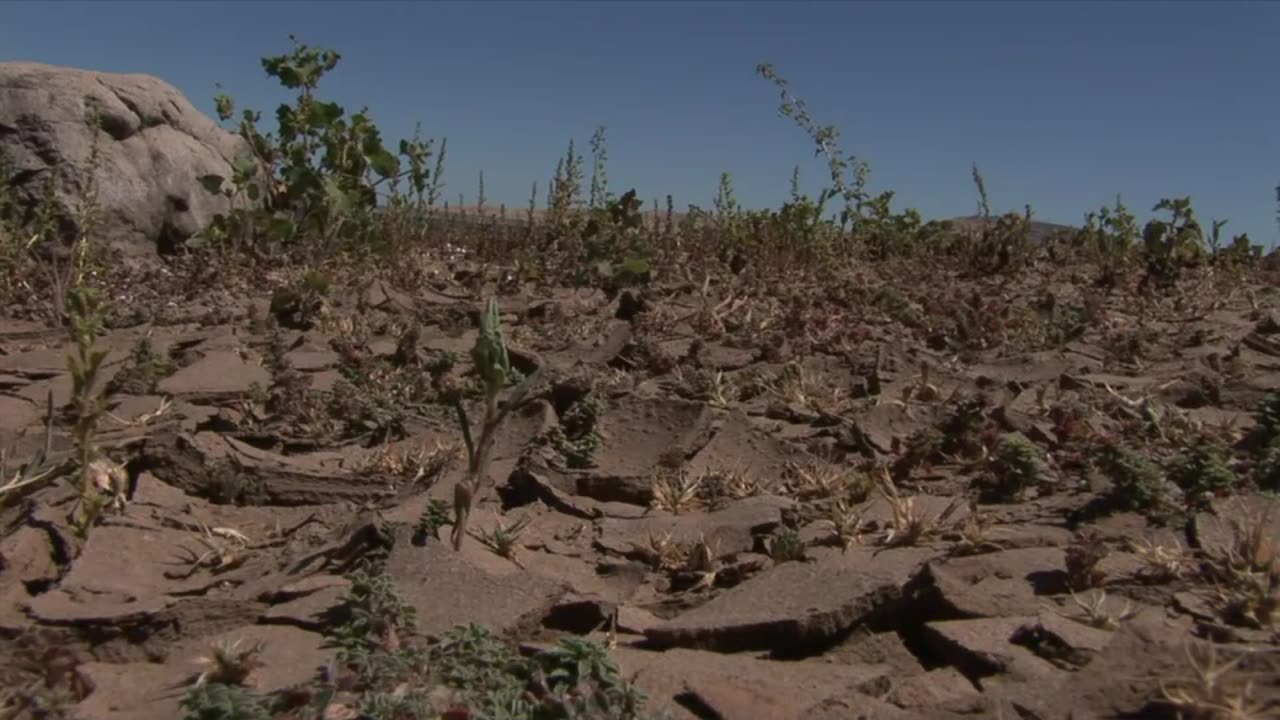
column 1062, row 105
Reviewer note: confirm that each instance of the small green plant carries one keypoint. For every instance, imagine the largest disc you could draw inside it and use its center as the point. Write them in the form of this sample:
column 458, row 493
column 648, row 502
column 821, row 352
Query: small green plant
column 435, row 516
column 1136, row 482
column 1202, row 472
column 301, row 304
column 493, row 366
column 504, row 539
column 409, row 704
column 1169, row 246
column 372, row 616
column 1016, row 466
column 223, row 702
column 88, row 403
column 578, row 437
column 786, row 546
column 318, row 176
column 146, row 368
column 574, row 679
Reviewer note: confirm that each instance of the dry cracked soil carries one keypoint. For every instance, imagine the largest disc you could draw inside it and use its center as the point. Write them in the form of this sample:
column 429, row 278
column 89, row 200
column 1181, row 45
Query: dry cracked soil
column 756, row 524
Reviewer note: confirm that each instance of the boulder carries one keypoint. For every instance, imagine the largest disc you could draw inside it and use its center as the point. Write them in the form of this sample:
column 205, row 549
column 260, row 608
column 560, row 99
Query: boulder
column 153, row 147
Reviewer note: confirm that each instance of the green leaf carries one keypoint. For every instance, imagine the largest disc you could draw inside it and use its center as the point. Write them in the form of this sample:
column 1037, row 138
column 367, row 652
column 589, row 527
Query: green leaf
column 323, row 114
column 212, row 183
column 340, row 200
column 384, row 163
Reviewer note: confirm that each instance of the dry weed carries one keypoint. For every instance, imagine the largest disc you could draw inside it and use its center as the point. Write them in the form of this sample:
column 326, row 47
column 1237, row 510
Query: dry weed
column 675, row 490
column 1214, row 691
column 911, row 525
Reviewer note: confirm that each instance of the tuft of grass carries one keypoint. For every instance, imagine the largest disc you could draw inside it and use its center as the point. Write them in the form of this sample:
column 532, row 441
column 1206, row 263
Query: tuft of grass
column 230, row 663
column 675, row 491
column 911, row 525
column 1215, row 689
column 846, row 524
column 1097, row 615
column 719, row 487
column 1162, row 563
column 503, row 539
column 1248, row 569
column 821, row 481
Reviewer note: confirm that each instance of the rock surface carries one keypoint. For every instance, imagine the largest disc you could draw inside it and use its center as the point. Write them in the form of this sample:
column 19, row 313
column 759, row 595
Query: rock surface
column 152, row 148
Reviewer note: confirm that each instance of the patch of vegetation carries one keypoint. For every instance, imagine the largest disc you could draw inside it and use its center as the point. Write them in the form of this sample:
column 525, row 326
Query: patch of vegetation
column 315, row 180
column 1203, row 473
column 144, row 370
column 215, row 701
column 1017, row 466
column 577, row 438
column 101, row 483
column 370, row 628
column 574, row 679
column 436, row 515
column 1136, row 482
column 300, row 305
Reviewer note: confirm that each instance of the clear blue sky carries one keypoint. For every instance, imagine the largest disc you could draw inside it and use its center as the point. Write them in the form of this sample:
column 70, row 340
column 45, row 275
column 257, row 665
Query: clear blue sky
column 1062, row 105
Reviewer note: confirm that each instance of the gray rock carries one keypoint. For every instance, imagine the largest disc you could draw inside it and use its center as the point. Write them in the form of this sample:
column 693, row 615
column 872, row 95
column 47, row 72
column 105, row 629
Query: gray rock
column 154, row 147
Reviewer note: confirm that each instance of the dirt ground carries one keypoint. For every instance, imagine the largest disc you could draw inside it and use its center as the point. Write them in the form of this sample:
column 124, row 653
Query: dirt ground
column 893, row 499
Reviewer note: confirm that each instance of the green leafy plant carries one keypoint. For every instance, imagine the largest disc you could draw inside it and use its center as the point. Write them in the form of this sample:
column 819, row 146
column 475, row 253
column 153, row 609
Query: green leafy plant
column 435, row 516
column 371, row 609
column 318, row 177
column 1169, row 246
column 299, row 305
column 578, row 437
column 144, row 371
column 88, row 402
column 1136, row 482
column 1016, row 466
column 574, row 679
column 493, row 366
column 1109, row 235
column 1203, row 472
column 786, row 546
column 215, row 701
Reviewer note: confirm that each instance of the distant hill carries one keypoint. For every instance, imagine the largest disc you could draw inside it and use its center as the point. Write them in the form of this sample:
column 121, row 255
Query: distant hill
column 1040, row 231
